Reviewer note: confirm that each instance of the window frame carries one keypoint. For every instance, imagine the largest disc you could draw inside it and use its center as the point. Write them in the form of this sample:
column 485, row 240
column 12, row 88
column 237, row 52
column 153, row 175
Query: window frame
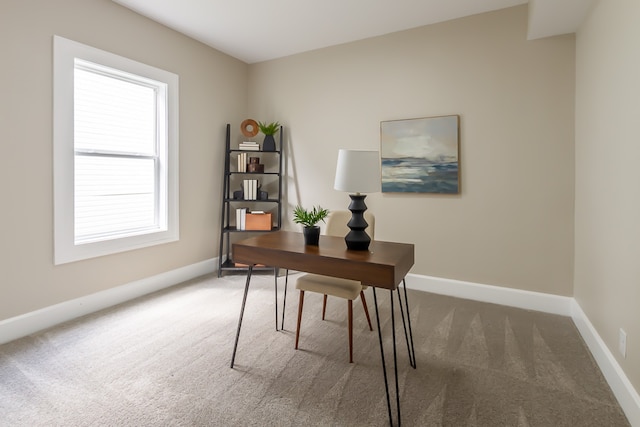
column 65, row 249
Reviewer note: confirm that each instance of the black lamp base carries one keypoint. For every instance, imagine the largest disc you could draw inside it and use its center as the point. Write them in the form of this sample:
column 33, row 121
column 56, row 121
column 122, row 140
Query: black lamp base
column 357, row 239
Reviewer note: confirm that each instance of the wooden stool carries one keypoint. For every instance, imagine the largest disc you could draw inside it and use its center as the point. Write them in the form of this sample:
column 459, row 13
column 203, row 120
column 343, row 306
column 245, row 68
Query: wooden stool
column 341, row 288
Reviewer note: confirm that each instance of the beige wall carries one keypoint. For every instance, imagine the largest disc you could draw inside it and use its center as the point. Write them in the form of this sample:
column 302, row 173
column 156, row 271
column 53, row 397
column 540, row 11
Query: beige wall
column 212, row 93
column 512, row 225
column 607, row 238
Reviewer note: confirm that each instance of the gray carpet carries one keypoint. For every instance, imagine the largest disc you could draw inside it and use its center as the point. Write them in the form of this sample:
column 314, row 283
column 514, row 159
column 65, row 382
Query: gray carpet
column 163, row 360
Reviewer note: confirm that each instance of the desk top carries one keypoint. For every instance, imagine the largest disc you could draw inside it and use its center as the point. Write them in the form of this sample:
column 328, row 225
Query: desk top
column 384, row 265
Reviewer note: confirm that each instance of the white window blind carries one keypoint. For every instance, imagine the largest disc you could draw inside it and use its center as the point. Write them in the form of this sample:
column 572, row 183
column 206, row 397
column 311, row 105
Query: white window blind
column 117, row 161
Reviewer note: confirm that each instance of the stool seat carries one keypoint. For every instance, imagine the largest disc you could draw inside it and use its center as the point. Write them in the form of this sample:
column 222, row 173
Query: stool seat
column 334, row 286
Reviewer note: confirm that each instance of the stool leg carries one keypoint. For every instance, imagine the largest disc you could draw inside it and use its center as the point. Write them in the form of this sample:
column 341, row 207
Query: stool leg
column 366, row 310
column 350, row 310
column 299, row 317
column 324, row 305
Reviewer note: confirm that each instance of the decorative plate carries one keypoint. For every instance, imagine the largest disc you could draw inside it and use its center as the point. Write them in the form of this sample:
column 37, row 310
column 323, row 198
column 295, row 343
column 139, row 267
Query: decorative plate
column 249, row 128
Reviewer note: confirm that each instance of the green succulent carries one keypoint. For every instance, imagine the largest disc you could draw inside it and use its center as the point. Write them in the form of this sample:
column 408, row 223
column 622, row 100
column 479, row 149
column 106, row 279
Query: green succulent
column 309, row 218
column 269, row 129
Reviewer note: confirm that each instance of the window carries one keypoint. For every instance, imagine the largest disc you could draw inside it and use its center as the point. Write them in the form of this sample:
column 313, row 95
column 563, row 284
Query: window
column 115, row 153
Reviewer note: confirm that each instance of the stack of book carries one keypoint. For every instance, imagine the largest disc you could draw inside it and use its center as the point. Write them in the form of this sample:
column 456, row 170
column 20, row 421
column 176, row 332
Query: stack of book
column 250, row 189
column 249, row 146
column 242, row 162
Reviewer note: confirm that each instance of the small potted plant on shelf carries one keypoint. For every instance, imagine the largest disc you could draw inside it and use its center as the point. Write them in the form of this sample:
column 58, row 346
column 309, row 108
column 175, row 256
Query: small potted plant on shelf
column 309, row 220
column 269, row 129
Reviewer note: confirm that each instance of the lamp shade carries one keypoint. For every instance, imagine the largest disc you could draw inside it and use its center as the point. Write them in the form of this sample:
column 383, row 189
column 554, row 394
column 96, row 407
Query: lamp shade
column 358, row 171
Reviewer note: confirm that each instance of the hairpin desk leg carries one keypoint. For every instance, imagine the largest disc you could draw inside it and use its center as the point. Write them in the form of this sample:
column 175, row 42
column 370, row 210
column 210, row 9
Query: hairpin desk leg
column 384, row 364
column 284, row 300
column 395, row 355
column 244, row 301
column 408, row 335
column 275, row 293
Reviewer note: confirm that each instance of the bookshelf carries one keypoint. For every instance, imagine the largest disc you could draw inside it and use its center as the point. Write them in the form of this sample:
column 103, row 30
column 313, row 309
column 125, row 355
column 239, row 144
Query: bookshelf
column 251, row 187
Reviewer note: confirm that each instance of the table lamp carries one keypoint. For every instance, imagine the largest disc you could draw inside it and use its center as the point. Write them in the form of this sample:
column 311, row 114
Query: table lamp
column 357, row 171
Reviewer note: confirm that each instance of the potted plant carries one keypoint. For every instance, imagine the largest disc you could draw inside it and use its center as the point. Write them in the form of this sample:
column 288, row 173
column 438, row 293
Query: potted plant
column 269, row 129
column 309, row 219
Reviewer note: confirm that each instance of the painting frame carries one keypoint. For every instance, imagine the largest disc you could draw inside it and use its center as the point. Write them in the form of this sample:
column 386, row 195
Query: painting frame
column 420, row 155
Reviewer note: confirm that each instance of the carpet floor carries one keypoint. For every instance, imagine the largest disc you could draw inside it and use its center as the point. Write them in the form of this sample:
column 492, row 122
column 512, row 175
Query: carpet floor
column 163, row 360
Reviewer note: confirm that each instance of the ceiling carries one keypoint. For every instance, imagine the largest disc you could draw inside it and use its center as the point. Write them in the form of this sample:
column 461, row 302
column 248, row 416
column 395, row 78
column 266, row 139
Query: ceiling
column 260, row 30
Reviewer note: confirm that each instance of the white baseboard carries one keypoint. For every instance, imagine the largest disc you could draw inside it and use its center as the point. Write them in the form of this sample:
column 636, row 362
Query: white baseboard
column 29, row 323
column 528, row 300
column 620, row 385
column 622, row 388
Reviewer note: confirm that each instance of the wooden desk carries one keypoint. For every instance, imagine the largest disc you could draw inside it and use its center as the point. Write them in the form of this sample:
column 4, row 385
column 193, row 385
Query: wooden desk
column 384, row 265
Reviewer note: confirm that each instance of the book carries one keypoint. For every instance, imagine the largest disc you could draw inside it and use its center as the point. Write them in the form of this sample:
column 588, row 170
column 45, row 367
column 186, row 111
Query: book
column 242, row 162
column 250, row 189
column 241, row 218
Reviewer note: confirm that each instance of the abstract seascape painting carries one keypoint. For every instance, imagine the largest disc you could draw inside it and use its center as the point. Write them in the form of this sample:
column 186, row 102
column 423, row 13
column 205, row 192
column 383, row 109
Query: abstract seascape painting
column 421, row 155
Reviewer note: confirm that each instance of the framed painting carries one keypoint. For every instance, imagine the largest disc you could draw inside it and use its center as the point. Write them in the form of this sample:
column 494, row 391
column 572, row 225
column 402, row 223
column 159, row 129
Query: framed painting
column 421, row 155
